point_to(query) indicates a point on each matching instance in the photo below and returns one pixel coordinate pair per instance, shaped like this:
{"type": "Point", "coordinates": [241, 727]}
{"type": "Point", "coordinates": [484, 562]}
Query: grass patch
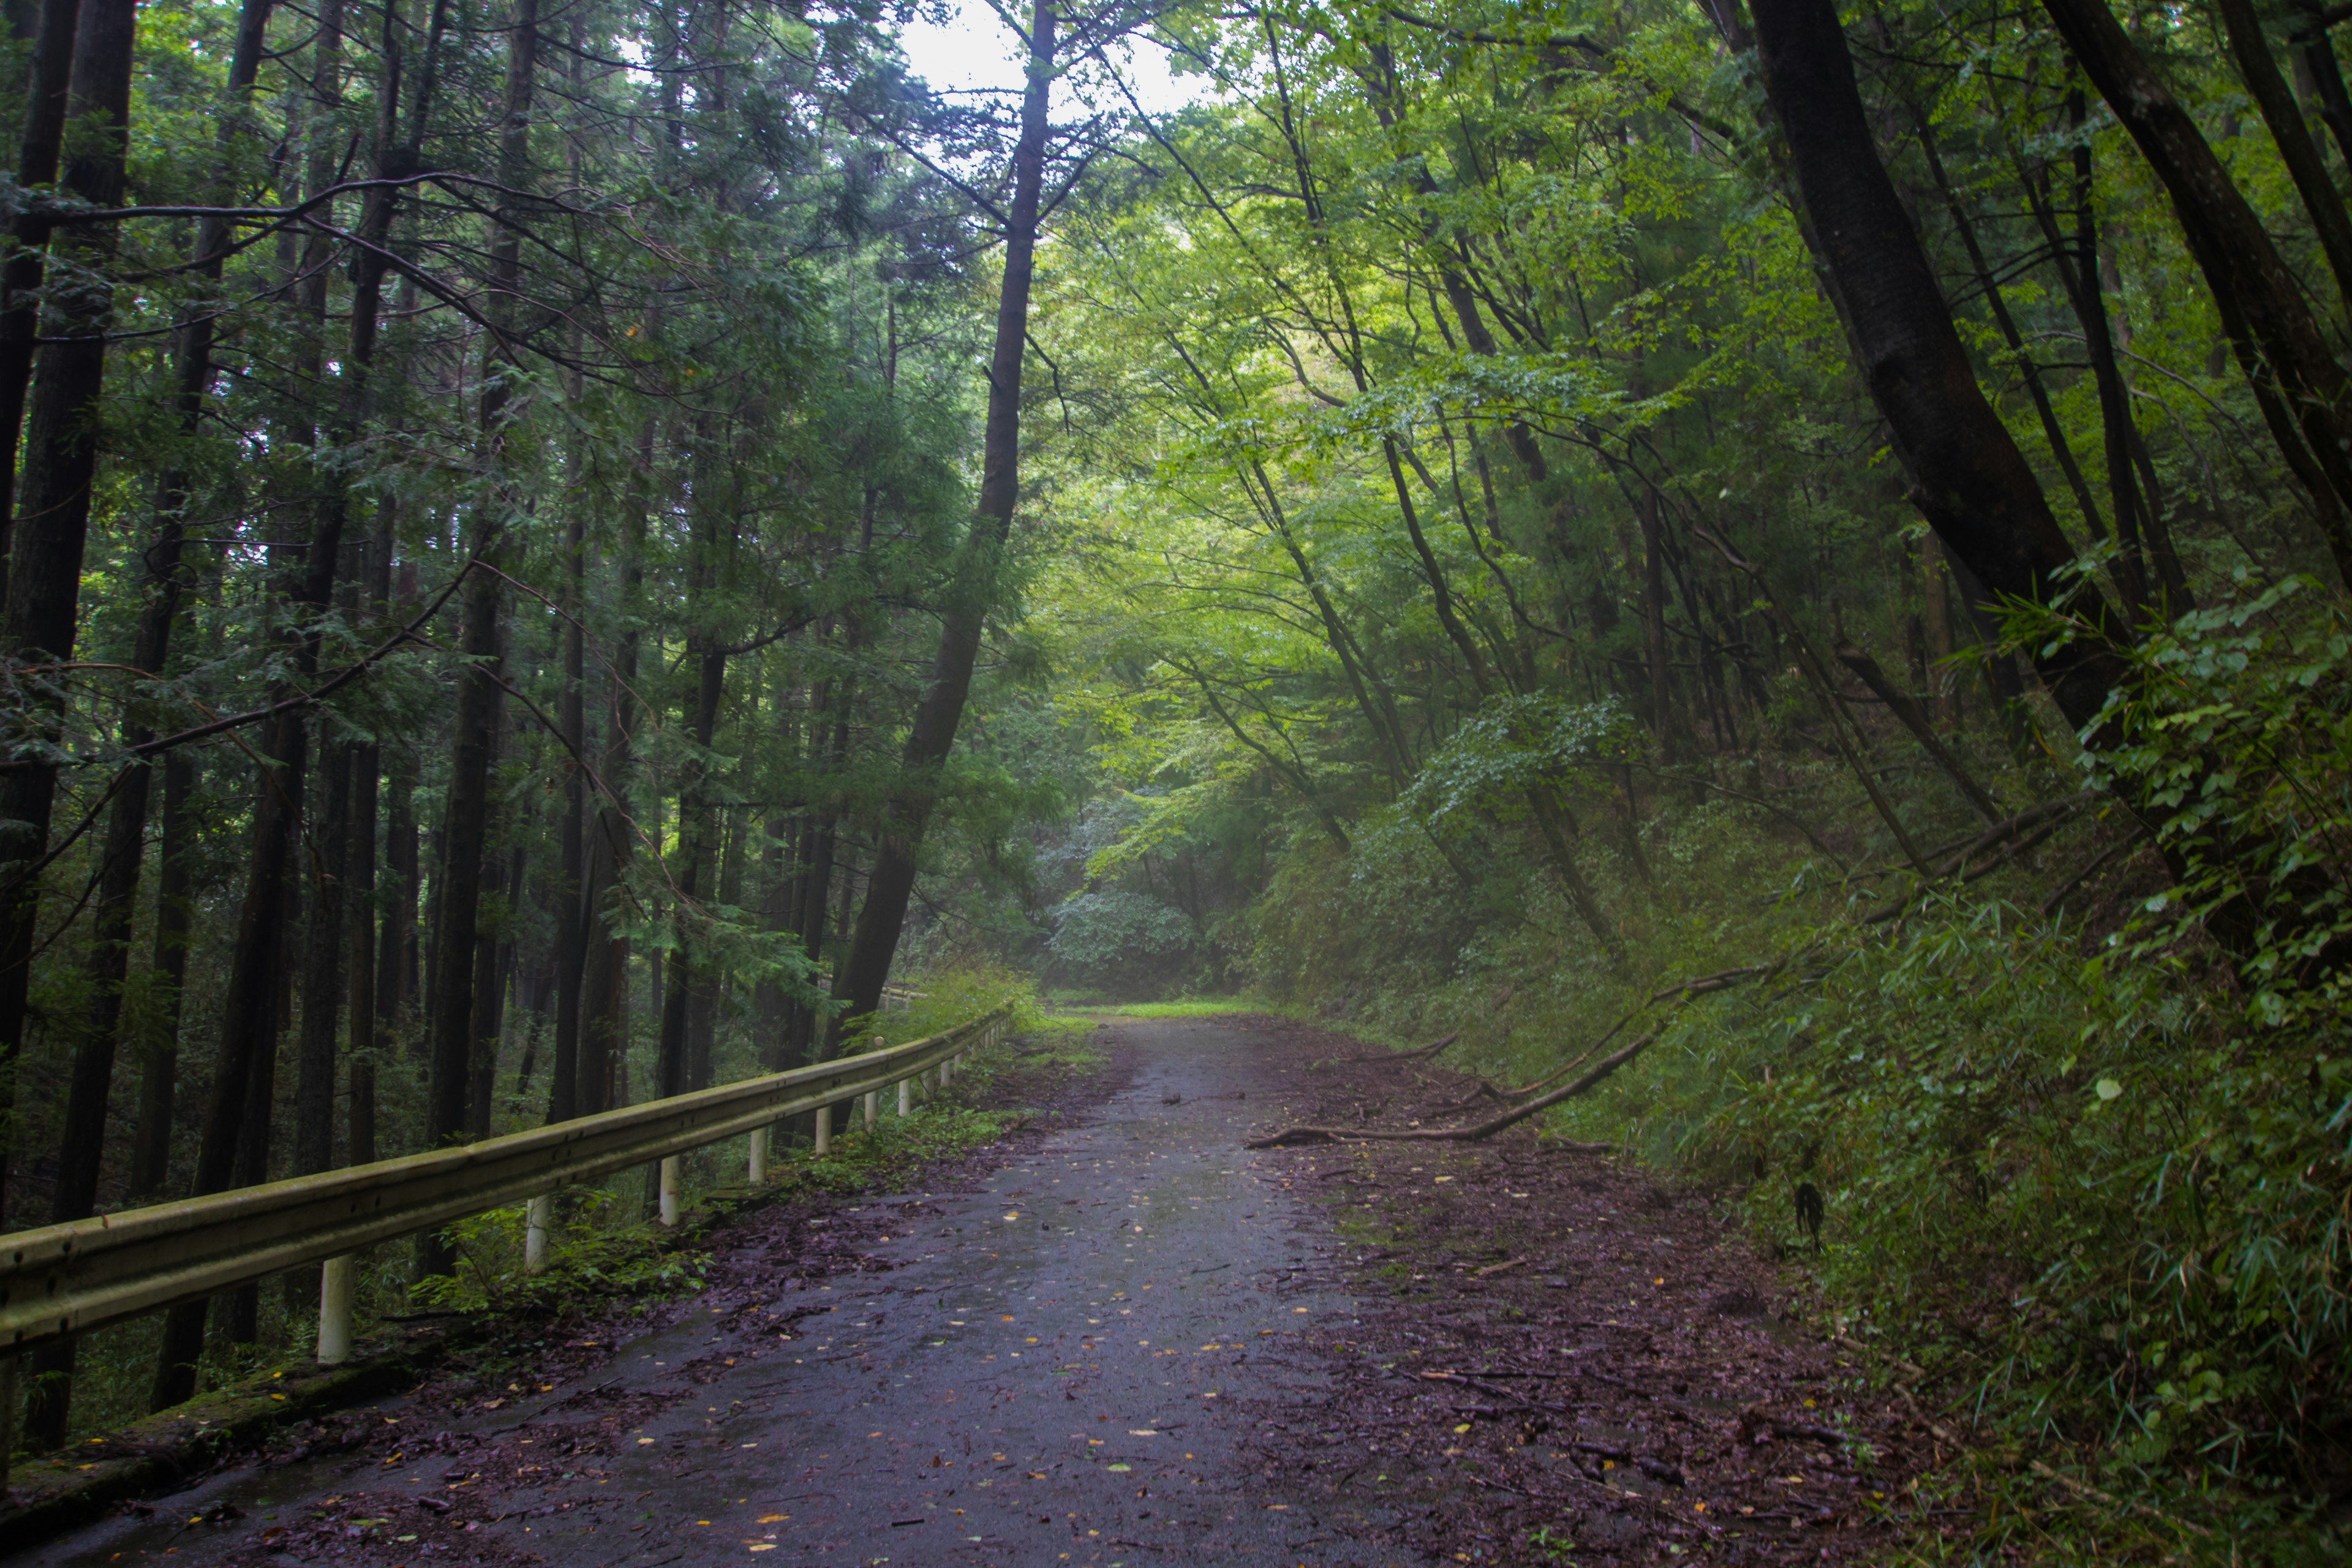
{"type": "Point", "coordinates": [1189, 1007]}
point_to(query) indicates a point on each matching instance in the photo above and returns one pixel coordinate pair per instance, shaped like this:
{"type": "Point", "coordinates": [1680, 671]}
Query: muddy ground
{"type": "Point", "coordinates": [1121, 1336]}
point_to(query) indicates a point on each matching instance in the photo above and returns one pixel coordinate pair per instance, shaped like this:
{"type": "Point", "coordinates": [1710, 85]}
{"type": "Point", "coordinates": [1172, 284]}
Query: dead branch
{"type": "Point", "coordinates": [1394, 1058]}
{"type": "Point", "coordinates": [1684, 995]}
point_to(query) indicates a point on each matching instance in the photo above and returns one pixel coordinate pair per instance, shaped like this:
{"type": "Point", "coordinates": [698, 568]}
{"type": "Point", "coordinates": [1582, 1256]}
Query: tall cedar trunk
{"type": "Point", "coordinates": [326, 866]}
{"type": "Point", "coordinates": [682, 974]}
{"type": "Point", "coordinates": [192, 374]}
{"type": "Point", "coordinates": [396, 953]}
{"type": "Point", "coordinates": [42, 143]}
{"type": "Point", "coordinates": [465, 830]}
{"type": "Point", "coordinates": [604, 960]}
{"type": "Point", "coordinates": [857, 985]}
{"type": "Point", "coordinates": [60, 462]}
{"type": "Point", "coordinates": [367, 773]}
{"type": "Point", "coordinates": [1968, 477]}
{"type": "Point", "coordinates": [571, 934]}
{"type": "Point", "coordinates": [491, 950]}
{"type": "Point", "coordinates": [151, 1138]}
{"type": "Point", "coordinates": [2279, 345]}
{"type": "Point", "coordinates": [359, 883]}
{"type": "Point", "coordinates": [770, 1010]}
{"type": "Point", "coordinates": [327, 855]}
{"type": "Point", "coordinates": [250, 1008]}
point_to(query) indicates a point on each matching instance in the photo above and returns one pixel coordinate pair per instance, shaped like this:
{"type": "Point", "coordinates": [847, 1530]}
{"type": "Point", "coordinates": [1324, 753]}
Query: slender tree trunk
{"type": "Point", "coordinates": [572, 933]}
{"type": "Point", "coordinates": [1989, 285]}
{"type": "Point", "coordinates": [604, 960]}
{"type": "Point", "coordinates": [327, 867]}
{"type": "Point", "coordinates": [858, 983]}
{"type": "Point", "coordinates": [459, 888]}
{"type": "Point", "coordinates": [682, 974]}
{"type": "Point", "coordinates": [396, 961]}
{"type": "Point", "coordinates": [192, 368]}
{"type": "Point", "coordinates": [361, 951]}
{"type": "Point", "coordinates": [2257, 68]}
{"type": "Point", "coordinates": [2114, 399]}
{"type": "Point", "coordinates": [151, 1139]}
{"type": "Point", "coordinates": [2279, 344]}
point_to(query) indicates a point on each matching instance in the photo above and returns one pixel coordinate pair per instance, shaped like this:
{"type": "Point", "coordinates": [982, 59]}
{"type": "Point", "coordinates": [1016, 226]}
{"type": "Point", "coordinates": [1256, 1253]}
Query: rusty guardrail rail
{"type": "Point", "coordinates": [66, 1279]}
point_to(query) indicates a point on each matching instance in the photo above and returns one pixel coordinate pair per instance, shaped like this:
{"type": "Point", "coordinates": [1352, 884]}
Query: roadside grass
{"type": "Point", "coordinates": [1189, 1007]}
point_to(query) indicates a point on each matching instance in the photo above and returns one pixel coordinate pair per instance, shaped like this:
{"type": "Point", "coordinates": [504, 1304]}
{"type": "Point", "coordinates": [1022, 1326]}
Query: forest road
{"type": "Point", "coordinates": [1062, 1365]}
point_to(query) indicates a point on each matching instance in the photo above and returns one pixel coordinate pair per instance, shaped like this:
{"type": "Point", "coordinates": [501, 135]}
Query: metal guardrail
{"type": "Point", "coordinates": [67, 1280]}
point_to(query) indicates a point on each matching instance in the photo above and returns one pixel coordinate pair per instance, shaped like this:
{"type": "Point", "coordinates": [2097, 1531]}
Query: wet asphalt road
{"type": "Point", "coordinates": [1065, 1366]}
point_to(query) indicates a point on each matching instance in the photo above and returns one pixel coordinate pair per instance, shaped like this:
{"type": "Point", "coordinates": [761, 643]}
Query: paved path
{"type": "Point", "coordinates": [1064, 1365]}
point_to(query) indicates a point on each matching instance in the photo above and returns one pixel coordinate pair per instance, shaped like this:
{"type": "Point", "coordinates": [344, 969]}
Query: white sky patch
{"type": "Point", "coordinates": [972, 52]}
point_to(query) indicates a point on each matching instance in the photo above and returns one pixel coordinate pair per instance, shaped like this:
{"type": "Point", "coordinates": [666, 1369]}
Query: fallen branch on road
{"type": "Point", "coordinates": [1683, 995]}
{"type": "Point", "coordinates": [1391, 1059]}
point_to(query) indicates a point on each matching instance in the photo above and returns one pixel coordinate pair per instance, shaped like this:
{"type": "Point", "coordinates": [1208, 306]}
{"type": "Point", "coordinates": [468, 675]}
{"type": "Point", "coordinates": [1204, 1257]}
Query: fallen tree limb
{"type": "Point", "coordinates": [1682, 995]}
{"type": "Point", "coordinates": [1705, 983]}
{"type": "Point", "coordinates": [1390, 1058]}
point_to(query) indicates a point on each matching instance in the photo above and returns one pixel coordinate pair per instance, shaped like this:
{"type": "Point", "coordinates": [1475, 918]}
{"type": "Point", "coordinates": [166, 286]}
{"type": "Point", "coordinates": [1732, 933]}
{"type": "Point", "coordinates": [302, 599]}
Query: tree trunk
{"type": "Point", "coordinates": [857, 984]}
{"type": "Point", "coordinates": [571, 933]}
{"type": "Point", "coordinates": [604, 960]}
{"type": "Point", "coordinates": [360, 954]}
{"type": "Point", "coordinates": [326, 865]}
{"type": "Point", "coordinates": [682, 974]}
{"type": "Point", "coordinates": [459, 889]}
{"type": "Point", "coordinates": [395, 959]}
{"type": "Point", "coordinates": [151, 1139]}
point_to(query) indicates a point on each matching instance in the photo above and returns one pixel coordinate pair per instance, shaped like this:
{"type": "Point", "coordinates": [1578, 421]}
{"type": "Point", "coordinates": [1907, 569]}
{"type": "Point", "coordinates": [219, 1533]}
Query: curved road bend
{"type": "Point", "coordinates": [1062, 1366]}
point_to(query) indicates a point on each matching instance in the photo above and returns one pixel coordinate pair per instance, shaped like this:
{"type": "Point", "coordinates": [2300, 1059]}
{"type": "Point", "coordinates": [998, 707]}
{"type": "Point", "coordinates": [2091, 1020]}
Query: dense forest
{"type": "Point", "coordinates": [1782, 573]}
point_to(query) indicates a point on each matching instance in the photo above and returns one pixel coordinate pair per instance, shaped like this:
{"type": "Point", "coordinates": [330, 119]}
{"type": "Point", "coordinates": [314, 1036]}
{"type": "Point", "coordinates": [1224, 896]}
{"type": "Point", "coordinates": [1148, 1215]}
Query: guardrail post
{"type": "Point", "coordinates": [537, 1217]}
{"type": "Point", "coordinates": [873, 1108]}
{"type": "Point", "coordinates": [756, 1162]}
{"type": "Point", "coordinates": [335, 1310]}
{"type": "Point", "coordinates": [906, 1097]}
{"type": "Point", "coordinates": [670, 1174]}
{"type": "Point", "coordinates": [824, 1129]}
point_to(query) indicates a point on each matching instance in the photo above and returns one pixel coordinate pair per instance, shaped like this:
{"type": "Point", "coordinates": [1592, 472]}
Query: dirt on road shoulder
{"type": "Point", "coordinates": [1562, 1359]}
